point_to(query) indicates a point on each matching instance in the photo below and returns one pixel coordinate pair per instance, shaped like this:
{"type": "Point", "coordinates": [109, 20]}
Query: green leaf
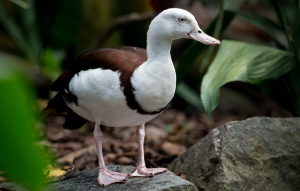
{"type": "Point", "coordinates": [24, 32]}
{"type": "Point", "coordinates": [278, 6]}
{"type": "Point", "coordinates": [189, 95]}
{"type": "Point", "coordinates": [13, 30]}
{"type": "Point", "coordinates": [270, 27]}
{"type": "Point", "coordinates": [233, 5]}
{"type": "Point", "coordinates": [20, 158]}
{"type": "Point", "coordinates": [238, 61]}
{"type": "Point", "coordinates": [20, 3]}
{"type": "Point", "coordinates": [29, 23]}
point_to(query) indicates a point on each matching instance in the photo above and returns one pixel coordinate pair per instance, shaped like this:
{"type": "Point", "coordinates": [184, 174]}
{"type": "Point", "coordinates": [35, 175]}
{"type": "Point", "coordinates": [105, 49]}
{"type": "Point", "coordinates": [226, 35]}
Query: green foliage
{"type": "Point", "coordinates": [186, 61]}
{"type": "Point", "coordinates": [189, 95]}
{"type": "Point", "coordinates": [253, 63]}
{"type": "Point", "coordinates": [59, 22]}
{"type": "Point", "coordinates": [25, 33]}
{"type": "Point", "coordinates": [20, 3]}
{"type": "Point", "coordinates": [243, 62]}
{"type": "Point", "coordinates": [20, 158]}
{"type": "Point", "coordinates": [31, 30]}
{"type": "Point", "coordinates": [52, 62]}
{"type": "Point", "coordinates": [247, 62]}
{"type": "Point", "coordinates": [195, 49]}
{"type": "Point", "coordinates": [269, 26]}
{"type": "Point", "coordinates": [45, 34]}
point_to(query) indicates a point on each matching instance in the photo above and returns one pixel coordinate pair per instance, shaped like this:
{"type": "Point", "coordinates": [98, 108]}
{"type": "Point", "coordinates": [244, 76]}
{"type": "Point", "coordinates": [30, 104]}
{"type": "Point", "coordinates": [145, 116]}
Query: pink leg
{"type": "Point", "coordinates": [105, 176]}
{"type": "Point", "coordinates": [140, 169]}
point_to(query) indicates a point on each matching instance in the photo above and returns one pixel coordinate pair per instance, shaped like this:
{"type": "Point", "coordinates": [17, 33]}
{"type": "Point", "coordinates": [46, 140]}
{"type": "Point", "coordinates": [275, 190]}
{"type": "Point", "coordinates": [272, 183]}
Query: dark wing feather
{"type": "Point", "coordinates": [61, 82]}
{"type": "Point", "coordinates": [125, 59]}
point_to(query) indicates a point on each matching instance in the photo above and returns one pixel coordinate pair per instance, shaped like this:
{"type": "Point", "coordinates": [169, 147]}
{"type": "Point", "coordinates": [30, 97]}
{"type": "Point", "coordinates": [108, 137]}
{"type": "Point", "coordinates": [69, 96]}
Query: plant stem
{"type": "Point", "coordinates": [216, 34]}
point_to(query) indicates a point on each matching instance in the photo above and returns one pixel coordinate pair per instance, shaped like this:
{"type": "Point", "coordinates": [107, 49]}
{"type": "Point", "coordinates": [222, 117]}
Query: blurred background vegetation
{"type": "Point", "coordinates": [40, 39]}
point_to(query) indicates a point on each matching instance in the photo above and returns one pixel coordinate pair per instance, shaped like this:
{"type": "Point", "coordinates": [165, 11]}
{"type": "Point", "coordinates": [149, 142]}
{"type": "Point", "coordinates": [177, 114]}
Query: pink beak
{"type": "Point", "coordinates": [200, 36]}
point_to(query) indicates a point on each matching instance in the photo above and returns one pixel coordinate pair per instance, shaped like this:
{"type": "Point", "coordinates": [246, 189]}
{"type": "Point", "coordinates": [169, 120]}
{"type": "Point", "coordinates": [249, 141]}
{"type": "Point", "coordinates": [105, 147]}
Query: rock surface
{"type": "Point", "coordinates": [254, 155]}
{"type": "Point", "coordinates": [87, 180]}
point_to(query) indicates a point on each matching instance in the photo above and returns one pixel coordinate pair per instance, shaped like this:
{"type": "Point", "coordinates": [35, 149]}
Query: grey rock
{"type": "Point", "coordinates": [256, 154]}
{"type": "Point", "coordinates": [87, 180]}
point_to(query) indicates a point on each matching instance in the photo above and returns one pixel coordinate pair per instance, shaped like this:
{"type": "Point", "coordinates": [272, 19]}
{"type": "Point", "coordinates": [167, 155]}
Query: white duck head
{"type": "Point", "coordinates": [175, 23]}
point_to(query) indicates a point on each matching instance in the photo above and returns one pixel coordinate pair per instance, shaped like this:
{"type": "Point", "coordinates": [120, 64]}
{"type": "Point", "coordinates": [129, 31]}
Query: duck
{"type": "Point", "coordinates": [125, 86]}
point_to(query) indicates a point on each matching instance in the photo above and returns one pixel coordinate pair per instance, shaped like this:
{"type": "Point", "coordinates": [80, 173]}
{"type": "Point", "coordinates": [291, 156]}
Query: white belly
{"type": "Point", "coordinates": [101, 100]}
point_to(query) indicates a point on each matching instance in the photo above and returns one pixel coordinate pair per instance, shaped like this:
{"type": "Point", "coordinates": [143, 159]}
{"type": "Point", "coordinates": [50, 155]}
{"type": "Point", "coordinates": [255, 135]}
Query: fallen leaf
{"type": "Point", "coordinates": [71, 170]}
{"type": "Point", "coordinates": [55, 172]}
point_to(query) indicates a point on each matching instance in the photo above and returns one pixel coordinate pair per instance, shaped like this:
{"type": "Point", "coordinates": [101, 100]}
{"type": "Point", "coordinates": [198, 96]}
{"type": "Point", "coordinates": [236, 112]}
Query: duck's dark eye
{"type": "Point", "coordinates": [181, 20]}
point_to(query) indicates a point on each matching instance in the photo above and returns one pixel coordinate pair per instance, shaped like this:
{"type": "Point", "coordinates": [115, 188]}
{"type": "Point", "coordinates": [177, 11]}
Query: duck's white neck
{"type": "Point", "coordinates": [155, 81]}
{"type": "Point", "coordinates": [158, 47]}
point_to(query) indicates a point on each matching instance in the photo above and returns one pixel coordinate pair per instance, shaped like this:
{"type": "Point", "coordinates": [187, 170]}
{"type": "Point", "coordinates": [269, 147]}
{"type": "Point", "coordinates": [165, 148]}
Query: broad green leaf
{"type": "Point", "coordinates": [238, 61]}
{"type": "Point", "coordinates": [270, 27]}
{"type": "Point", "coordinates": [20, 159]}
